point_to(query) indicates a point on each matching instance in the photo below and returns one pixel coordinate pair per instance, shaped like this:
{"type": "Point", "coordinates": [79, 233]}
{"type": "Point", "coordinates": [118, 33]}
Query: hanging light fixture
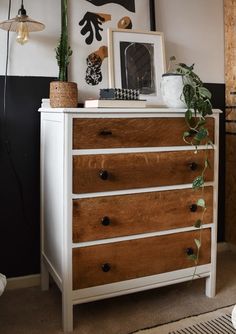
{"type": "Point", "coordinates": [22, 24]}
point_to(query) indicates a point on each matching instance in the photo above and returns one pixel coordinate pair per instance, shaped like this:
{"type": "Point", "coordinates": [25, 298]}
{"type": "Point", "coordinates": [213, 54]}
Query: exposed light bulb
{"type": "Point", "coordinates": [22, 33]}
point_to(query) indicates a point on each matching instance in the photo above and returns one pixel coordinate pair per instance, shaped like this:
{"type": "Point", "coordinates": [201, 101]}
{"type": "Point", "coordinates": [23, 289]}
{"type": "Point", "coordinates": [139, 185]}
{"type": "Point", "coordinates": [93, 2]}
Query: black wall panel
{"type": "Point", "coordinates": [19, 174]}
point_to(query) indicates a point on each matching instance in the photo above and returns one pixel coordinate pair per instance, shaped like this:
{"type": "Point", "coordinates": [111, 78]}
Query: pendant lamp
{"type": "Point", "coordinates": [22, 24]}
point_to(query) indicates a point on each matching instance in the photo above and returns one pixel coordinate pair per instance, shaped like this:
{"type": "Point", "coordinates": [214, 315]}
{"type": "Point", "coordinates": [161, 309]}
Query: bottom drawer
{"type": "Point", "coordinates": [120, 261]}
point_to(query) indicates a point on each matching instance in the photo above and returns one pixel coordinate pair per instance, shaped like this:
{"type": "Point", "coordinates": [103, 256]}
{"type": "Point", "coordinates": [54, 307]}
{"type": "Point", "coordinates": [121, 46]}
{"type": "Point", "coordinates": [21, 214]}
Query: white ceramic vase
{"type": "Point", "coordinates": [171, 90]}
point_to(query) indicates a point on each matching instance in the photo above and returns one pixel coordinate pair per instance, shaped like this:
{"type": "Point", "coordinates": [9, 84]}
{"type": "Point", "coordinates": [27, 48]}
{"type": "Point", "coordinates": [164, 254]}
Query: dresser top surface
{"type": "Point", "coordinates": [90, 111]}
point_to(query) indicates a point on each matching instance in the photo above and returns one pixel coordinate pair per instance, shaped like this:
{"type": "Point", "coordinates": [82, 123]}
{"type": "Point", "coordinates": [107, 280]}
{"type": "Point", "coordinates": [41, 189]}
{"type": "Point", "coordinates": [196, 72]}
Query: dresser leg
{"type": "Point", "coordinates": [44, 276]}
{"type": "Point", "coordinates": [67, 315]}
{"type": "Point", "coordinates": [210, 286]}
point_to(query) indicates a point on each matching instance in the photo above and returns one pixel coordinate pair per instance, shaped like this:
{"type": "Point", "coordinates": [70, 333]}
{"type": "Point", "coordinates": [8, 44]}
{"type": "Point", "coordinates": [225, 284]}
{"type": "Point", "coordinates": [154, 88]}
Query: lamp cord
{"type": "Point", "coordinates": [6, 69]}
{"type": "Point", "coordinates": [6, 141]}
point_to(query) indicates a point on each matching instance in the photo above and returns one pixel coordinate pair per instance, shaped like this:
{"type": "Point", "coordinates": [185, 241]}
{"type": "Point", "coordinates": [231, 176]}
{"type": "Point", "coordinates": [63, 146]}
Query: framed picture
{"type": "Point", "coordinates": [136, 59]}
{"type": "Point", "coordinates": [89, 21]}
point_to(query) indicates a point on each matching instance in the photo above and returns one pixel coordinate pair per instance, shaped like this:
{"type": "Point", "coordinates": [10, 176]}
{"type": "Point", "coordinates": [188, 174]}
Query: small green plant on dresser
{"type": "Point", "coordinates": [198, 106]}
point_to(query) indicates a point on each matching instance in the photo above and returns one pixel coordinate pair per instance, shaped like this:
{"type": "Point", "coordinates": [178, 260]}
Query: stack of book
{"type": "Point", "coordinates": [117, 98]}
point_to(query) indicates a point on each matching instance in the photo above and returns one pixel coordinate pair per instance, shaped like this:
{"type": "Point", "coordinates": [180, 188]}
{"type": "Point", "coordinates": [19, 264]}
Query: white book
{"type": "Point", "coordinates": [115, 104]}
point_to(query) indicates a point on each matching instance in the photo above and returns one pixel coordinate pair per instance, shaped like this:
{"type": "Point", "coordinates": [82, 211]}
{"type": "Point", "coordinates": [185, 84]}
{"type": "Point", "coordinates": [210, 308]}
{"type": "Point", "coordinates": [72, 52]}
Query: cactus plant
{"type": "Point", "coordinates": [63, 50]}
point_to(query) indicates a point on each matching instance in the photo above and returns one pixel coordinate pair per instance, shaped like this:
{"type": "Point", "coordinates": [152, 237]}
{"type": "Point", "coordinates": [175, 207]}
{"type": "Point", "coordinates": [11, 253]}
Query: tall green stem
{"type": "Point", "coordinates": [63, 51]}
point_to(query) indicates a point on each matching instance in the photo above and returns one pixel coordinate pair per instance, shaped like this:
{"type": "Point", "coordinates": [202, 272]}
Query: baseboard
{"type": "Point", "coordinates": [23, 282]}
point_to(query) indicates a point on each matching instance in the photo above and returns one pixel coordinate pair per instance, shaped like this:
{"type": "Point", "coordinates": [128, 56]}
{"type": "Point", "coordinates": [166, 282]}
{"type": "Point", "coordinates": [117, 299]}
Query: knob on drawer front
{"type": "Point", "coordinates": [105, 221]}
{"type": "Point", "coordinates": [103, 174]}
{"type": "Point", "coordinates": [106, 267]}
{"type": "Point", "coordinates": [193, 166]}
{"type": "Point", "coordinates": [193, 207]}
{"type": "Point", "coordinates": [105, 133]}
{"type": "Point", "coordinates": [189, 251]}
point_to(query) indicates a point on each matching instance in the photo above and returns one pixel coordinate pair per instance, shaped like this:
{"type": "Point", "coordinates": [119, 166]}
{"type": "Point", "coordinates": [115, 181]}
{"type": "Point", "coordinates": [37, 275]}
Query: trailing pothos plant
{"type": "Point", "coordinates": [197, 100]}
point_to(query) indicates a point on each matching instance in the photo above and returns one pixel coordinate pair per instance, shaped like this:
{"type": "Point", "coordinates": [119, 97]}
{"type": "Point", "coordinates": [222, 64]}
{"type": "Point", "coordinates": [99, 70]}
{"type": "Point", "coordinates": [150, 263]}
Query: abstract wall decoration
{"type": "Point", "coordinates": [94, 63]}
{"type": "Point", "coordinates": [92, 25]}
{"type": "Point", "coordinates": [90, 20]}
{"type": "Point", "coordinates": [128, 4]}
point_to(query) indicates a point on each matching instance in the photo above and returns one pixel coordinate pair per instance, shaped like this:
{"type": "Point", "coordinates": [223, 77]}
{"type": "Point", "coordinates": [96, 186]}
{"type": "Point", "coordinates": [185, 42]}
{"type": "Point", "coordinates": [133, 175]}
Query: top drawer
{"type": "Point", "coordinates": [130, 132]}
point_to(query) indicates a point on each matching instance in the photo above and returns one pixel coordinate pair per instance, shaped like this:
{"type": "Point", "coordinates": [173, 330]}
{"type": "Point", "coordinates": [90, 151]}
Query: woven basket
{"type": "Point", "coordinates": [63, 94]}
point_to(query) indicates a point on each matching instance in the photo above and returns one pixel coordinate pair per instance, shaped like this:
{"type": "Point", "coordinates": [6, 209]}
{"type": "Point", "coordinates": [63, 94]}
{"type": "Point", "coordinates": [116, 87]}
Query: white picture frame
{"type": "Point", "coordinates": [136, 59]}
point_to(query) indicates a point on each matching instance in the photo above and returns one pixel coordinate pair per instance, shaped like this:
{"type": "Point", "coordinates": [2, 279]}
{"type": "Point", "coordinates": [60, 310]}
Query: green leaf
{"type": "Point", "coordinates": [202, 134]}
{"type": "Point", "coordinates": [201, 202]}
{"type": "Point", "coordinates": [186, 134]}
{"type": "Point", "coordinates": [198, 243]}
{"type": "Point", "coordinates": [188, 116]}
{"type": "Point", "coordinates": [198, 182]}
{"type": "Point", "coordinates": [204, 92]}
{"type": "Point", "coordinates": [198, 223]}
{"type": "Point", "coordinates": [192, 257]}
{"type": "Point", "coordinates": [188, 92]}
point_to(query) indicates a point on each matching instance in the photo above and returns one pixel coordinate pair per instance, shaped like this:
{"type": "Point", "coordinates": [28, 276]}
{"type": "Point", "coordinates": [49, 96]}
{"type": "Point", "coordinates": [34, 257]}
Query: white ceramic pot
{"type": "Point", "coordinates": [171, 90]}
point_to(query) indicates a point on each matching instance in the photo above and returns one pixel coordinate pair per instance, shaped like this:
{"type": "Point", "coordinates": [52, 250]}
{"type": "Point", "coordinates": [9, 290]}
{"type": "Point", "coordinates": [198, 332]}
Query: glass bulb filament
{"type": "Point", "coordinates": [22, 33]}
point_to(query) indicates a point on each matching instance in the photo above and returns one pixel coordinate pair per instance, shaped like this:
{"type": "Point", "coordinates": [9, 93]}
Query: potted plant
{"type": "Point", "coordinates": [189, 91]}
{"type": "Point", "coordinates": [172, 87]}
{"type": "Point", "coordinates": [63, 93]}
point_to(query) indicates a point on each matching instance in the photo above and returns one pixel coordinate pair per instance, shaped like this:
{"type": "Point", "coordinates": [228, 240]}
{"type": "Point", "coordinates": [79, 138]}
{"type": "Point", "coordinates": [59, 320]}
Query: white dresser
{"type": "Point", "coordinates": [117, 205]}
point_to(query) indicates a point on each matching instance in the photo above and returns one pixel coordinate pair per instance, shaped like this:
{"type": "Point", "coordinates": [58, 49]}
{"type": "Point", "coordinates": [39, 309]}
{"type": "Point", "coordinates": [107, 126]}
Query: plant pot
{"type": "Point", "coordinates": [63, 94]}
{"type": "Point", "coordinates": [171, 90]}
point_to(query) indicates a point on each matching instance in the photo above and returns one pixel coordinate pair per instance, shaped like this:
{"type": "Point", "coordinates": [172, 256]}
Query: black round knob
{"type": "Point", "coordinates": [105, 221]}
{"type": "Point", "coordinates": [105, 133]}
{"type": "Point", "coordinates": [193, 207]}
{"type": "Point", "coordinates": [193, 166]}
{"type": "Point", "coordinates": [106, 267]}
{"type": "Point", "coordinates": [103, 174]}
{"type": "Point", "coordinates": [189, 251]}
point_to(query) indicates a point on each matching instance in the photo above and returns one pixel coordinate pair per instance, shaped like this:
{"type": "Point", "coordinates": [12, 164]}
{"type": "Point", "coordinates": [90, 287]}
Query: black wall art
{"type": "Point", "coordinates": [128, 4]}
{"type": "Point", "coordinates": [92, 26]}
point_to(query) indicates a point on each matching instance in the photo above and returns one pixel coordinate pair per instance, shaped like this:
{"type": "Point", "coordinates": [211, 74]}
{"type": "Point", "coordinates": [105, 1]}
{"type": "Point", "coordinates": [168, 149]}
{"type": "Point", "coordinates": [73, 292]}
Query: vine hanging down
{"type": "Point", "coordinates": [197, 100]}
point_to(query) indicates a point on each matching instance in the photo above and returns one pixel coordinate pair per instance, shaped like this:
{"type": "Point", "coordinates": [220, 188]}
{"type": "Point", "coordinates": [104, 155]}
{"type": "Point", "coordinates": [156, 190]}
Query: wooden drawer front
{"type": "Point", "coordinates": [113, 216]}
{"type": "Point", "coordinates": [95, 173]}
{"type": "Point", "coordinates": [136, 258]}
{"type": "Point", "coordinates": [134, 132]}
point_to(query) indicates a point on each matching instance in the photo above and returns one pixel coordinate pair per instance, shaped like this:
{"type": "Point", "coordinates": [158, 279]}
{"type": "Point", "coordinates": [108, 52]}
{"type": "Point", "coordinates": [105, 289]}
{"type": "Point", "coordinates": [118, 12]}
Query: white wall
{"type": "Point", "coordinates": [194, 33]}
{"type": "Point", "coordinates": [37, 57]}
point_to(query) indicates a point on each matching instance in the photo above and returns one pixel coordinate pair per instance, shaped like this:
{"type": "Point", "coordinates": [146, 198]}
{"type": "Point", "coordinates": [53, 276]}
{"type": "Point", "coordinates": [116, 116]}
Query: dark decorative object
{"type": "Point", "coordinates": [92, 23]}
{"type": "Point", "coordinates": [128, 4]}
{"type": "Point", "coordinates": [152, 15]}
{"type": "Point", "coordinates": [119, 94]}
{"type": "Point", "coordinates": [137, 66]}
{"type": "Point", "coordinates": [94, 63]}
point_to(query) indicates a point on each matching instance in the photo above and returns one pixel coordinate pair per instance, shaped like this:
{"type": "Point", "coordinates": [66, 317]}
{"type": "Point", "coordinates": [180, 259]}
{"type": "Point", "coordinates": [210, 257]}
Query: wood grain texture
{"type": "Point", "coordinates": [137, 170]}
{"type": "Point", "coordinates": [136, 258]}
{"type": "Point", "coordinates": [230, 50]}
{"type": "Point", "coordinates": [139, 132]}
{"type": "Point", "coordinates": [138, 213]}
